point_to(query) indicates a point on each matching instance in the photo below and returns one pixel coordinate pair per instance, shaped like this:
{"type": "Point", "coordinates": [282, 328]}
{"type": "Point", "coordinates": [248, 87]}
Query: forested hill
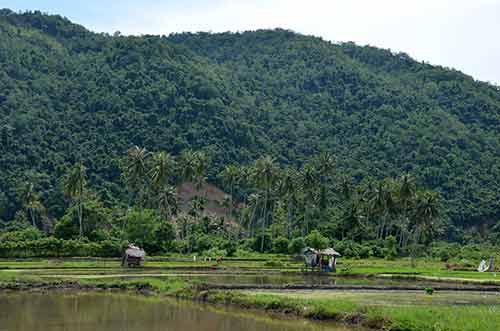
{"type": "Point", "coordinates": [67, 94]}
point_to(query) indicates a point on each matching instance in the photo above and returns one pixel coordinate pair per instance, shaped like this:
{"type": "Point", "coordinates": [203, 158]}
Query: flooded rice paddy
{"type": "Point", "coordinates": [57, 311]}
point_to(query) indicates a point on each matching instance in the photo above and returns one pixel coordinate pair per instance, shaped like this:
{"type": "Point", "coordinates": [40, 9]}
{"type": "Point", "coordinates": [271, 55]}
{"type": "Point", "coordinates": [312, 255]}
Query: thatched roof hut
{"type": "Point", "coordinates": [328, 252]}
{"type": "Point", "coordinates": [323, 259]}
{"type": "Point", "coordinates": [133, 256]}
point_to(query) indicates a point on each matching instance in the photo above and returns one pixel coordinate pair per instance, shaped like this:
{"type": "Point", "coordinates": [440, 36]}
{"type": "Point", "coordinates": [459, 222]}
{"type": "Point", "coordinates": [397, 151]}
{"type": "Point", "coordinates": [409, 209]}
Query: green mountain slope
{"type": "Point", "coordinates": [68, 94]}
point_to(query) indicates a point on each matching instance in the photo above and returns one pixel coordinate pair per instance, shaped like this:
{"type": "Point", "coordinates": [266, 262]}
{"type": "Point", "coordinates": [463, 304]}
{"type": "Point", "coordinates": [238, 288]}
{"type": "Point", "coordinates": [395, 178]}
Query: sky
{"type": "Point", "coordinates": [460, 34]}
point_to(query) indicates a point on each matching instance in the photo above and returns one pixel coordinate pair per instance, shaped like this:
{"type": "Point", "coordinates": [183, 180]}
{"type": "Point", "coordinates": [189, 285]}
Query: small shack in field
{"type": "Point", "coordinates": [133, 256]}
{"type": "Point", "coordinates": [323, 260]}
{"type": "Point", "coordinates": [328, 259]}
{"type": "Point", "coordinates": [487, 267]}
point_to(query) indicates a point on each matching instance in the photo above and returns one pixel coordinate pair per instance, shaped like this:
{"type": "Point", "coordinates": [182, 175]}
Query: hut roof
{"type": "Point", "coordinates": [309, 250]}
{"type": "Point", "coordinates": [135, 251]}
{"type": "Point", "coordinates": [329, 252]}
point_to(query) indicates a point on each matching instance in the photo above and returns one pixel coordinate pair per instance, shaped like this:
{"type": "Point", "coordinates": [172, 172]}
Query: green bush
{"type": "Point", "coordinates": [54, 247]}
{"type": "Point", "coordinates": [230, 246]}
{"type": "Point", "coordinates": [203, 243]}
{"type": "Point", "coordinates": [280, 245]}
{"type": "Point", "coordinates": [148, 230]}
{"type": "Point", "coordinates": [29, 233]}
{"type": "Point", "coordinates": [365, 252]}
{"type": "Point", "coordinates": [215, 252]}
{"type": "Point", "coordinates": [296, 245]}
{"type": "Point", "coordinates": [347, 248]}
{"type": "Point", "coordinates": [180, 246]}
{"type": "Point", "coordinates": [316, 240]}
{"type": "Point", "coordinates": [391, 248]}
{"type": "Point", "coordinates": [257, 244]}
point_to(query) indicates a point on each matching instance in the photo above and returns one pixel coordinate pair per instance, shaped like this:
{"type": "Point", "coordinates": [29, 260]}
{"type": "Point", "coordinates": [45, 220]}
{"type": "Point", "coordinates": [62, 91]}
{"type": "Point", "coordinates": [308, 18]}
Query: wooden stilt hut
{"type": "Point", "coordinates": [133, 256]}
{"type": "Point", "coordinates": [324, 260]}
{"type": "Point", "coordinates": [328, 259]}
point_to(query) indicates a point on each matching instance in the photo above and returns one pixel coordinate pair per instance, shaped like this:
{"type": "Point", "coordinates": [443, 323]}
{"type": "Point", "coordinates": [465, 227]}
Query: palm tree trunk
{"type": "Point", "coordinates": [252, 218]}
{"type": "Point", "coordinates": [252, 223]}
{"type": "Point", "coordinates": [32, 216]}
{"type": "Point", "coordinates": [264, 223]}
{"type": "Point", "coordinates": [80, 216]}
{"type": "Point", "coordinates": [289, 219]}
{"type": "Point", "coordinates": [231, 203]}
{"type": "Point", "coordinates": [306, 221]}
{"type": "Point", "coordinates": [414, 249]}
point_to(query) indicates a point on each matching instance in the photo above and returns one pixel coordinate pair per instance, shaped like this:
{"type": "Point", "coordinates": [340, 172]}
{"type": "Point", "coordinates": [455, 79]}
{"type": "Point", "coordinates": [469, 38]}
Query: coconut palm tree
{"type": "Point", "coordinates": [407, 187]}
{"type": "Point", "coordinates": [193, 166]}
{"type": "Point", "coordinates": [265, 175]}
{"type": "Point", "coordinates": [253, 202]}
{"type": "Point", "coordinates": [75, 189]}
{"type": "Point", "coordinates": [351, 221]}
{"type": "Point", "coordinates": [161, 170]}
{"type": "Point", "coordinates": [187, 165]}
{"type": "Point", "coordinates": [31, 202]}
{"type": "Point", "coordinates": [136, 171]}
{"type": "Point", "coordinates": [168, 201]}
{"type": "Point", "coordinates": [309, 183]}
{"type": "Point", "coordinates": [201, 165]}
{"type": "Point", "coordinates": [192, 169]}
{"type": "Point", "coordinates": [288, 188]}
{"type": "Point", "coordinates": [230, 176]}
{"type": "Point", "coordinates": [325, 165]}
{"type": "Point", "coordinates": [380, 197]}
{"type": "Point", "coordinates": [346, 188]}
{"type": "Point", "coordinates": [406, 193]}
{"type": "Point", "coordinates": [424, 217]}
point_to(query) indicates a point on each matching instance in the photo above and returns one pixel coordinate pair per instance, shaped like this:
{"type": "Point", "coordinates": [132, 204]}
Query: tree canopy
{"type": "Point", "coordinates": [70, 95]}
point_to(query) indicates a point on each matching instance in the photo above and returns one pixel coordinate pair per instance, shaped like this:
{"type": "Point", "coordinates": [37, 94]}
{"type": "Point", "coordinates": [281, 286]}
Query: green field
{"type": "Point", "coordinates": [389, 310]}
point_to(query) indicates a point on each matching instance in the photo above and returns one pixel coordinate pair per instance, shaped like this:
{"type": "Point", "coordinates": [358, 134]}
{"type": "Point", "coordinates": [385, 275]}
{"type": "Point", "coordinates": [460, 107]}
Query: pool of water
{"type": "Point", "coordinates": [226, 278]}
{"type": "Point", "coordinates": [58, 311]}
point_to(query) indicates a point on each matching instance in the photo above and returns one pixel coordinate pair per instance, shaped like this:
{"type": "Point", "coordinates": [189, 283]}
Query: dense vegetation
{"type": "Point", "coordinates": [282, 213]}
{"type": "Point", "coordinates": [72, 102]}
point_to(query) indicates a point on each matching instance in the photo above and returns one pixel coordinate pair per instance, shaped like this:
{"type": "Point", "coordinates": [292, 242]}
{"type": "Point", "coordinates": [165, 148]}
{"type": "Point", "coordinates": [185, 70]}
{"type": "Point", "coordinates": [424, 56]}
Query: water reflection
{"type": "Point", "coordinates": [113, 312]}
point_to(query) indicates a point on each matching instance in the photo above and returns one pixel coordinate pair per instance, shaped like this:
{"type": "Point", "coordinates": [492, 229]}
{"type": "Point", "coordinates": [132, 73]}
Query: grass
{"type": "Point", "coordinates": [442, 318]}
{"type": "Point", "coordinates": [395, 312]}
{"type": "Point", "coordinates": [423, 316]}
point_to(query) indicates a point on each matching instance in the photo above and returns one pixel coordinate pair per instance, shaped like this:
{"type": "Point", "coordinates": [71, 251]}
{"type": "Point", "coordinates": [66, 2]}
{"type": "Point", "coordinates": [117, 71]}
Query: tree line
{"type": "Point", "coordinates": [68, 95]}
{"type": "Point", "coordinates": [266, 205]}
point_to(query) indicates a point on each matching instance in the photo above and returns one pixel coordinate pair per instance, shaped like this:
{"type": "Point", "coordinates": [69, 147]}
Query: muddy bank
{"type": "Point", "coordinates": [142, 288]}
{"type": "Point", "coordinates": [478, 288]}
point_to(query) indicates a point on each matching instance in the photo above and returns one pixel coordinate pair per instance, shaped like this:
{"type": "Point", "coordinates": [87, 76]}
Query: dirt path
{"type": "Point", "coordinates": [462, 288]}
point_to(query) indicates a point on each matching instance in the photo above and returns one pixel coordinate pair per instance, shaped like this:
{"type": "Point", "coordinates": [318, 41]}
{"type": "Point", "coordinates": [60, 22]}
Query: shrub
{"type": "Point", "coordinates": [29, 233]}
{"type": "Point", "coordinates": [148, 230]}
{"type": "Point", "coordinates": [365, 252]}
{"type": "Point", "coordinates": [203, 243]}
{"type": "Point", "coordinates": [348, 248]}
{"type": "Point", "coordinates": [229, 246]}
{"type": "Point", "coordinates": [215, 252]}
{"type": "Point", "coordinates": [54, 247]}
{"type": "Point", "coordinates": [296, 245]}
{"type": "Point", "coordinates": [180, 246]}
{"type": "Point", "coordinates": [316, 240]}
{"type": "Point", "coordinates": [257, 244]}
{"type": "Point", "coordinates": [391, 249]}
{"type": "Point", "coordinates": [280, 245]}
{"type": "Point", "coordinates": [444, 251]}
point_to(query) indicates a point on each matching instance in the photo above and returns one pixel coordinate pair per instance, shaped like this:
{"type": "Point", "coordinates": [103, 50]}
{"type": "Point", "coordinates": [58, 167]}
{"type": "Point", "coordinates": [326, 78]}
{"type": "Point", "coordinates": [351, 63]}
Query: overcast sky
{"type": "Point", "coordinates": [462, 34]}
